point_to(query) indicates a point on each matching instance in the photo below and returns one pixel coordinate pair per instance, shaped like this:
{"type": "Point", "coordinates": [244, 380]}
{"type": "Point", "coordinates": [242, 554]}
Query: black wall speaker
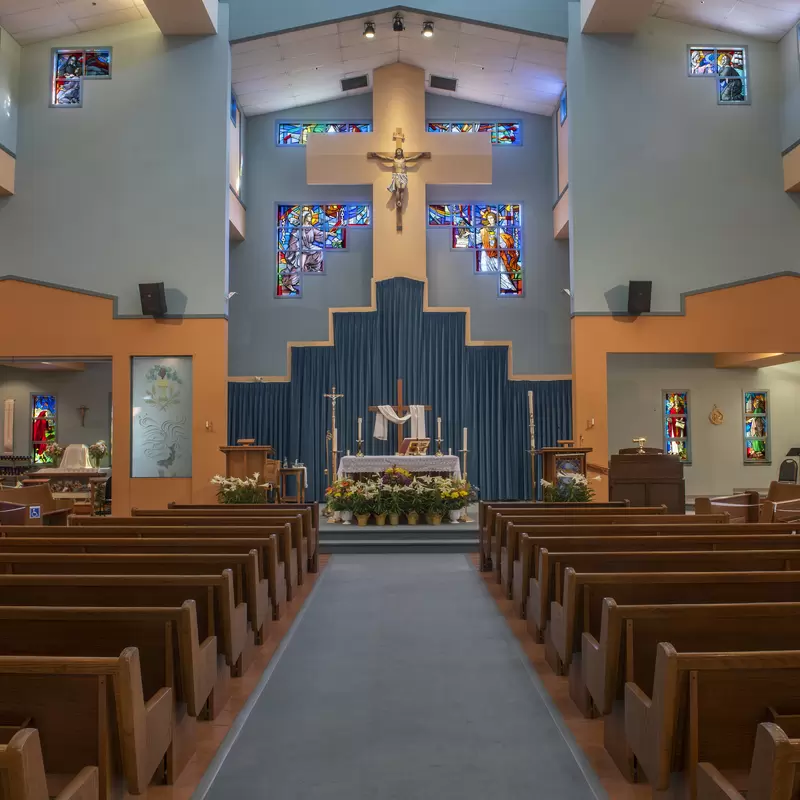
{"type": "Point", "coordinates": [639, 296]}
{"type": "Point", "coordinates": [154, 300]}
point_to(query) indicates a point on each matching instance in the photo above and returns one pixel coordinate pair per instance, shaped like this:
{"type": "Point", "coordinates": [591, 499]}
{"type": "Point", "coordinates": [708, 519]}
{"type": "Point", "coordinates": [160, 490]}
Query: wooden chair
{"type": "Point", "coordinates": [773, 772]}
{"type": "Point", "coordinates": [53, 511]}
{"type": "Point", "coordinates": [23, 777]}
{"type": "Point", "coordinates": [91, 711]}
{"type": "Point", "coordinates": [705, 707]}
{"type": "Point", "coordinates": [171, 655]}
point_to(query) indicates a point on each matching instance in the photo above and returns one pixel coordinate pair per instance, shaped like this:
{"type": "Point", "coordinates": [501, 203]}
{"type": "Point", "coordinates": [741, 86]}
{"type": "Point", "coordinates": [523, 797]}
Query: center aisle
{"type": "Point", "coordinates": [401, 681]}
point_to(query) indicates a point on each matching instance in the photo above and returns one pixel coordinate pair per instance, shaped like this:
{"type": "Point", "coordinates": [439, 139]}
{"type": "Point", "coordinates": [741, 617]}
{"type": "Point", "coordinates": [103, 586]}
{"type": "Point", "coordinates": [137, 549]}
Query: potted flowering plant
{"type": "Point", "coordinates": [338, 497]}
{"type": "Point", "coordinates": [396, 486]}
{"type": "Point", "coordinates": [568, 488]}
{"type": "Point", "coordinates": [240, 490]}
{"type": "Point", "coordinates": [97, 452]}
{"type": "Point", "coordinates": [54, 451]}
{"type": "Point", "coordinates": [456, 495]}
{"type": "Point", "coordinates": [431, 500]}
{"type": "Point", "coordinates": [363, 501]}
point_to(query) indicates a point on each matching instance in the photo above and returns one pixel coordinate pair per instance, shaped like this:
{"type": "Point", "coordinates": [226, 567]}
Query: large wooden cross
{"type": "Point", "coordinates": [398, 103]}
{"type": "Point", "coordinates": [399, 409]}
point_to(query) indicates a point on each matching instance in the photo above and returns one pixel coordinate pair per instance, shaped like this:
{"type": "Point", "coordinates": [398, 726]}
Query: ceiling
{"type": "Point", "coordinates": [37, 20]}
{"type": "Point", "coordinates": [493, 66]}
{"type": "Point", "coordinates": [763, 19]}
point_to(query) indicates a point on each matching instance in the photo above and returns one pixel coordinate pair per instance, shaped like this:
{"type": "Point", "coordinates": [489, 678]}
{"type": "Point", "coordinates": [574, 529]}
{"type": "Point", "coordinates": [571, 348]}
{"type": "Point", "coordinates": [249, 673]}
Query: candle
{"type": "Point", "coordinates": [438, 427]}
{"type": "Point", "coordinates": [359, 428]}
{"type": "Point", "coordinates": [465, 440]}
{"type": "Point", "coordinates": [348, 452]}
{"type": "Point", "coordinates": [530, 403]}
{"type": "Point", "coordinates": [449, 451]}
{"type": "Point", "coordinates": [334, 441]}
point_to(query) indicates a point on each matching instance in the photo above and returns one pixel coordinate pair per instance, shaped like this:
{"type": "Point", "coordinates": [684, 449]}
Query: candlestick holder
{"type": "Point", "coordinates": [359, 450]}
{"type": "Point", "coordinates": [439, 447]}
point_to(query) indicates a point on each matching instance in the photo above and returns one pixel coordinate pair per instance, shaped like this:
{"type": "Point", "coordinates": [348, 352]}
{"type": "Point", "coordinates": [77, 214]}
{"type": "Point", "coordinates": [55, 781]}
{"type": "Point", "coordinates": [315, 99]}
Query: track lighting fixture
{"type": "Point", "coordinates": [427, 29]}
{"type": "Point", "coordinates": [369, 30]}
{"type": "Point", "coordinates": [398, 26]}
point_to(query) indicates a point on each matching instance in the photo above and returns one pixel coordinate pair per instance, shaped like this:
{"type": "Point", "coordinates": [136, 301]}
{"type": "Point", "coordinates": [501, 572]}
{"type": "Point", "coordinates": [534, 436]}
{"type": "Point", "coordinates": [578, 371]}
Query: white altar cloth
{"type": "Point", "coordinates": [351, 465]}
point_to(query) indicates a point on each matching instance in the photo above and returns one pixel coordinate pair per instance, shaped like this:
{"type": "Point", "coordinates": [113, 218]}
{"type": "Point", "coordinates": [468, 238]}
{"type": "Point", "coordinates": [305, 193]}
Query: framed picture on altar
{"type": "Point", "coordinates": [415, 447]}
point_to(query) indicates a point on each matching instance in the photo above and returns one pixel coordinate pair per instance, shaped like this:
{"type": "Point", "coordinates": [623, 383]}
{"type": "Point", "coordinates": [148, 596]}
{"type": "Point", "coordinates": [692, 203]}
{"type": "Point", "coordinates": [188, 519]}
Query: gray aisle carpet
{"type": "Point", "coordinates": [400, 682]}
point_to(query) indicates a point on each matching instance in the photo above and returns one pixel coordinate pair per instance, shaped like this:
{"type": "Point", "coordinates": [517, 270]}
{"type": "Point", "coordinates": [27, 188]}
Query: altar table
{"type": "Point", "coordinates": [446, 465]}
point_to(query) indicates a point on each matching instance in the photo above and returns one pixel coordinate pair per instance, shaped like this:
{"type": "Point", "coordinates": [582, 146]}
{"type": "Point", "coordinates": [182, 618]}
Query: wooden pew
{"type": "Point", "coordinates": [171, 655]}
{"type": "Point", "coordinates": [289, 531]}
{"type": "Point", "coordinates": [23, 777]}
{"type": "Point", "coordinates": [13, 514]}
{"type": "Point", "coordinates": [626, 650]}
{"type": "Point", "coordinates": [248, 509]}
{"type": "Point", "coordinates": [487, 511]}
{"type": "Point", "coordinates": [217, 612]}
{"type": "Point", "coordinates": [53, 511]}
{"type": "Point", "coordinates": [704, 707]}
{"type": "Point", "coordinates": [248, 583]}
{"type": "Point", "coordinates": [264, 546]}
{"type": "Point", "coordinates": [510, 528]}
{"type": "Point", "coordinates": [500, 520]}
{"type": "Point", "coordinates": [91, 711]}
{"type": "Point", "coordinates": [741, 507]}
{"type": "Point", "coordinates": [773, 771]}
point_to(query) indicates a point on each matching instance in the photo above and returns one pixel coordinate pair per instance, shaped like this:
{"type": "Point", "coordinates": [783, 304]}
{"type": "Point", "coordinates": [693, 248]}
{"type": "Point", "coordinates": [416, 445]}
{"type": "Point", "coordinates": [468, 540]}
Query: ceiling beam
{"type": "Point", "coordinates": [185, 17]}
{"type": "Point", "coordinates": [753, 360]}
{"type": "Point", "coordinates": [614, 16]}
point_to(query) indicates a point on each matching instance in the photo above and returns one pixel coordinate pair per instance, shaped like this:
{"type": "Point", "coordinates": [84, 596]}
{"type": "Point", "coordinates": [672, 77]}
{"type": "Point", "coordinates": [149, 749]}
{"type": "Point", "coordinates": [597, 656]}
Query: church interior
{"type": "Point", "coordinates": [516, 514]}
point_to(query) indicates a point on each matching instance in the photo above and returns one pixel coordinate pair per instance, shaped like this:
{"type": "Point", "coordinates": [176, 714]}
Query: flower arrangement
{"type": "Point", "coordinates": [97, 452]}
{"type": "Point", "coordinates": [54, 451]}
{"type": "Point", "coordinates": [338, 497]}
{"type": "Point", "coordinates": [240, 490]}
{"type": "Point", "coordinates": [568, 488]}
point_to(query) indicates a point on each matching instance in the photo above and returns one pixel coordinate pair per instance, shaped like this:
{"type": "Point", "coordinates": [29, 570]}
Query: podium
{"type": "Point", "coordinates": [648, 479]}
{"type": "Point", "coordinates": [564, 459]}
{"type": "Point", "coordinates": [243, 461]}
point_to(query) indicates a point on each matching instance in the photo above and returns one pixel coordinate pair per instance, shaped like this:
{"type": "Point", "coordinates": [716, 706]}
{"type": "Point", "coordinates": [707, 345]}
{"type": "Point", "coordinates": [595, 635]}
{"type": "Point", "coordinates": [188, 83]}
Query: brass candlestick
{"type": "Point", "coordinates": [359, 450]}
{"type": "Point", "coordinates": [439, 447]}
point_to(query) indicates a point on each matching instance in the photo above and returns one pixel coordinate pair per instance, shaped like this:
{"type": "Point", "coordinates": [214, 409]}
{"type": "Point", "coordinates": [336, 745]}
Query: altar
{"type": "Point", "coordinates": [74, 476]}
{"type": "Point", "coordinates": [429, 465]}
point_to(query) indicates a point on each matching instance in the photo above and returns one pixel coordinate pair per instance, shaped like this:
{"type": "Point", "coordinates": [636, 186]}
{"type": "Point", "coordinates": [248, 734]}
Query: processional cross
{"type": "Point", "coordinates": [399, 409]}
{"type": "Point", "coordinates": [399, 162]}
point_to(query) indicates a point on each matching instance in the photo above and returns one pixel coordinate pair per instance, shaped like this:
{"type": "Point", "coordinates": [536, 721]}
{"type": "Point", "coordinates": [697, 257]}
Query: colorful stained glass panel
{"type": "Point", "coordinates": [98, 63]}
{"type": "Point", "coordinates": [501, 132]}
{"type": "Point", "coordinates": [728, 65]}
{"type": "Point", "coordinates": [358, 215]}
{"type": "Point", "coordinates": [70, 68]}
{"type": "Point", "coordinates": [756, 450]}
{"type": "Point", "coordinates": [702, 61]}
{"type": "Point", "coordinates": [676, 424]}
{"type": "Point", "coordinates": [69, 64]}
{"type": "Point", "coordinates": [295, 134]}
{"type": "Point", "coordinates": [507, 132]}
{"type": "Point", "coordinates": [562, 108]}
{"type": "Point", "coordinates": [756, 427]}
{"type": "Point", "coordinates": [68, 92]}
{"type": "Point", "coordinates": [43, 426]}
{"type": "Point", "coordinates": [439, 215]}
{"type": "Point", "coordinates": [755, 403]}
{"type": "Point", "coordinates": [463, 236]}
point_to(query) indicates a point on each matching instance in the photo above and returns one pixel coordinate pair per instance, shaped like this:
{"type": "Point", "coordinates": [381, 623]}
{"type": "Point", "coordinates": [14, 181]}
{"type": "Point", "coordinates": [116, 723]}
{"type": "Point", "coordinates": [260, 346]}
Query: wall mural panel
{"type": "Point", "coordinates": [161, 429]}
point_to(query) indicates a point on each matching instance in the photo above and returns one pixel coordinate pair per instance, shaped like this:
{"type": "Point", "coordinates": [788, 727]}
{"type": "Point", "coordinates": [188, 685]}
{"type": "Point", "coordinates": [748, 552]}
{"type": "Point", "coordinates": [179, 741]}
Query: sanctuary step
{"type": "Point", "coordinates": [445, 538]}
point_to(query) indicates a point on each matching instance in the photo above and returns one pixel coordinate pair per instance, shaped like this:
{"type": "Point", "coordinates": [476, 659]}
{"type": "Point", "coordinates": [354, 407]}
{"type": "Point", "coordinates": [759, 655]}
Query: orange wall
{"type": "Point", "coordinates": [753, 317]}
{"type": "Point", "coordinates": [77, 325]}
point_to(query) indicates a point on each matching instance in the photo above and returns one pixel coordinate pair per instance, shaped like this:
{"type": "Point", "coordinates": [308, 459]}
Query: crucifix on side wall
{"type": "Point", "coordinates": [82, 411]}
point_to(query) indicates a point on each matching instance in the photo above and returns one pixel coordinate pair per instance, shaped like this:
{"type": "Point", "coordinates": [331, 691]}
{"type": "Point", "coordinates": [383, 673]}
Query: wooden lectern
{"type": "Point", "coordinates": [648, 479]}
{"type": "Point", "coordinates": [565, 459]}
{"type": "Point", "coordinates": [245, 460]}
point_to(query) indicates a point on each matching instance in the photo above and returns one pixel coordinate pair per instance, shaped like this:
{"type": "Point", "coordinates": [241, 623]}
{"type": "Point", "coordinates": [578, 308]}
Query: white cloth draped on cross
{"type": "Point", "coordinates": [387, 414]}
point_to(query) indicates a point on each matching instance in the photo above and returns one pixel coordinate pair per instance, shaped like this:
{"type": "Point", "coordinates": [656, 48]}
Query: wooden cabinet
{"type": "Point", "coordinates": [648, 479]}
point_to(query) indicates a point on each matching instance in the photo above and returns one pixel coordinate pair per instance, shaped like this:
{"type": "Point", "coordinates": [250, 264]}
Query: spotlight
{"type": "Point", "coordinates": [427, 30]}
{"type": "Point", "coordinates": [398, 26]}
{"type": "Point", "coordinates": [369, 30]}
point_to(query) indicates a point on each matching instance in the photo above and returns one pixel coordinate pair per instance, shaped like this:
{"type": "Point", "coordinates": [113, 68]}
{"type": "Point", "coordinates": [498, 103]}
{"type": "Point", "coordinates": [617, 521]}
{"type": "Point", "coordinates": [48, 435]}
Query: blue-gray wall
{"type": "Point", "coordinates": [790, 72]}
{"type": "Point", "coordinates": [133, 186]}
{"type": "Point", "coordinates": [9, 91]}
{"type": "Point", "coordinates": [538, 323]}
{"type": "Point", "coordinates": [255, 17]}
{"type": "Point", "coordinates": [665, 184]}
{"type": "Point", "coordinates": [260, 324]}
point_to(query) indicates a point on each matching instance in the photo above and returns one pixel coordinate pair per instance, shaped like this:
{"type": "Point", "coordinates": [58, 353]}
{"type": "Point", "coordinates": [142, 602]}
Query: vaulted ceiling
{"type": "Point", "coordinates": [492, 65]}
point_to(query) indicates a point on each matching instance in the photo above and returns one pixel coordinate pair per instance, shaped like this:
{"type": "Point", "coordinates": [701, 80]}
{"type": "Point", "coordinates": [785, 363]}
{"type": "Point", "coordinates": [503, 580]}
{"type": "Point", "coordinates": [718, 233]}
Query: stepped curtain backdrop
{"type": "Point", "coordinates": [466, 386]}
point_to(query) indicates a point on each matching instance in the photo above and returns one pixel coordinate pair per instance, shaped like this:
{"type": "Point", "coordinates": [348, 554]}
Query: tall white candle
{"type": "Point", "coordinates": [530, 402]}
{"type": "Point", "coordinates": [334, 441]}
{"type": "Point", "coordinates": [438, 427]}
{"type": "Point", "coordinates": [359, 427]}
{"type": "Point", "coordinates": [449, 451]}
{"type": "Point", "coordinates": [465, 439]}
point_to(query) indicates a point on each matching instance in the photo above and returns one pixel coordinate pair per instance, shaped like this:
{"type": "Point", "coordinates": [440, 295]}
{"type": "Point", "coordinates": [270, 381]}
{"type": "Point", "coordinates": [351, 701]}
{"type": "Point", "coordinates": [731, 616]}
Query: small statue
{"type": "Point", "coordinates": [399, 162]}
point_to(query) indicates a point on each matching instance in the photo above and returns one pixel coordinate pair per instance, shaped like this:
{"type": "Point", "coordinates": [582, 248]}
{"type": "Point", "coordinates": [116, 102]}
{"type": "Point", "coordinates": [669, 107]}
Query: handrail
{"type": "Point", "coordinates": [597, 468]}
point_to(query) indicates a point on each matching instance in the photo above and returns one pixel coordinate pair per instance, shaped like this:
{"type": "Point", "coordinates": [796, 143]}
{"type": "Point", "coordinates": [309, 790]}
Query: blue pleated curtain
{"type": "Point", "coordinates": [466, 386]}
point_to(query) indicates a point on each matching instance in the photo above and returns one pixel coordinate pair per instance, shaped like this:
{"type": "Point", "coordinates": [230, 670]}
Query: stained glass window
{"type": "Point", "coordinates": [493, 232]}
{"type": "Point", "coordinates": [676, 425]}
{"type": "Point", "coordinates": [295, 134]}
{"type": "Point", "coordinates": [234, 110]}
{"type": "Point", "coordinates": [756, 428]}
{"type": "Point", "coordinates": [305, 234]}
{"type": "Point", "coordinates": [71, 68]}
{"type": "Point", "coordinates": [728, 66]}
{"type": "Point", "coordinates": [43, 426]}
{"type": "Point", "coordinates": [562, 107]}
{"type": "Point", "coordinates": [501, 132]}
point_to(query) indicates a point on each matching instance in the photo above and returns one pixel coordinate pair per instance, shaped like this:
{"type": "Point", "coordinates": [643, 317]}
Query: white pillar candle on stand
{"type": "Point", "coordinates": [530, 402]}
{"type": "Point", "coordinates": [449, 451]}
{"type": "Point", "coordinates": [438, 427]}
{"type": "Point", "coordinates": [465, 439]}
{"type": "Point", "coordinates": [334, 441]}
{"type": "Point", "coordinates": [359, 427]}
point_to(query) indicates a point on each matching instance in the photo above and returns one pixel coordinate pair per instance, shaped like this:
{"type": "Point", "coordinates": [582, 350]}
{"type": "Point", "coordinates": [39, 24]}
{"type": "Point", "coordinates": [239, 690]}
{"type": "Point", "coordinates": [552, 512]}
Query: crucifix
{"type": "Point", "coordinates": [399, 162]}
{"type": "Point", "coordinates": [82, 411]}
{"type": "Point", "coordinates": [398, 104]}
{"type": "Point", "coordinates": [399, 409]}
{"type": "Point", "coordinates": [334, 438]}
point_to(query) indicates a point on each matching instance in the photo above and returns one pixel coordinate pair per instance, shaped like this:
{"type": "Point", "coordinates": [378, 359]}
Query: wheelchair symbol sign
{"type": "Point", "coordinates": [35, 512]}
